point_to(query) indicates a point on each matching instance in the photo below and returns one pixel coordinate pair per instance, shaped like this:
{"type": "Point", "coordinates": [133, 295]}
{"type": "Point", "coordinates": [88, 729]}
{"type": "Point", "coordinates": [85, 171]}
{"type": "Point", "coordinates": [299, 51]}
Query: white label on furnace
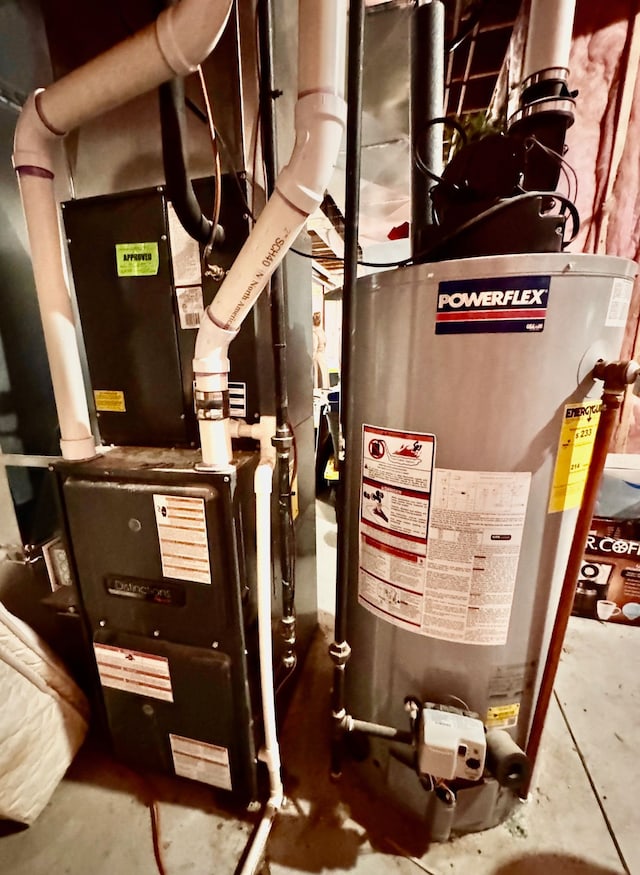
{"type": "Point", "coordinates": [190, 306]}
{"type": "Point", "coordinates": [182, 533]}
{"type": "Point", "coordinates": [619, 303]}
{"type": "Point", "coordinates": [185, 253]}
{"type": "Point", "coordinates": [395, 490]}
{"type": "Point", "coordinates": [200, 761]}
{"type": "Point", "coordinates": [131, 671]}
{"type": "Point", "coordinates": [475, 536]}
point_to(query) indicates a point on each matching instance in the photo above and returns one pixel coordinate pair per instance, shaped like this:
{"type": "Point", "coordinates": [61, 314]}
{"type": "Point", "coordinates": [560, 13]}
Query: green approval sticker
{"type": "Point", "coordinates": [137, 259]}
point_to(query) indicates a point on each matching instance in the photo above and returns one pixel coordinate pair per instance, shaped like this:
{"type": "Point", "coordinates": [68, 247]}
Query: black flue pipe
{"type": "Point", "coordinates": [340, 650]}
{"type": "Point", "coordinates": [284, 438]}
{"type": "Point", "coordinates": [427, 98]}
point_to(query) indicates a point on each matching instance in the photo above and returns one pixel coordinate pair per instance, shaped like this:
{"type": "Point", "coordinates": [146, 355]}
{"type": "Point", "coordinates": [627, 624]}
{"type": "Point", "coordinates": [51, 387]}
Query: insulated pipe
{"type": "Point", "coordinates": [617, 376]}
{"type": "Point", "coordinates": [339, 649]}
{"type": "Point", "coordinates": [179, 187]}
{"type": "Point", "coordinates": [319, 121]}
{"type": "Point", "coordinates": [175, 44]}
{"type": "Point", "coordinates": [548, 35]}
{"type": "Point", "coordinates": [271, 751]}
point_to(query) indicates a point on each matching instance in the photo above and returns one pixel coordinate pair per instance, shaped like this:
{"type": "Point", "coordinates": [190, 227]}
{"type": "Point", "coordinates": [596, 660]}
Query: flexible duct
{"type": "Point", "coordinates": [179, 188]}
{"type": "Point", "coordinates": [319, 123]}
{"type": "Point", "coordinates": [175, 44]}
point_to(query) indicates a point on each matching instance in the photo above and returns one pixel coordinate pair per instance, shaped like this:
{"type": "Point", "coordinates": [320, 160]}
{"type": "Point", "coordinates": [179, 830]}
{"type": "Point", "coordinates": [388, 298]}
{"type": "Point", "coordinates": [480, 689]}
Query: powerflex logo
{"type": "Point", "coordinates": [486, 306]}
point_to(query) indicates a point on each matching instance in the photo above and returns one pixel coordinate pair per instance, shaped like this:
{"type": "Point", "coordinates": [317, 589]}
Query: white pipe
{"type": "Point", "coordinates": [271, 751]}
{"type": "Point", "coordinates": [180, 39]}
{"type": "Point", "coordinates": [548, 35]}
{"type": "Point", "coordinates": [319, 120]}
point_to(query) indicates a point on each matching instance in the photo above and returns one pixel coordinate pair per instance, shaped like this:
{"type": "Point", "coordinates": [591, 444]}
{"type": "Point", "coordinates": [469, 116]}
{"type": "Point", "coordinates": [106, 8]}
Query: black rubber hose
{"type": "Point", "coordinates": [179, 188]}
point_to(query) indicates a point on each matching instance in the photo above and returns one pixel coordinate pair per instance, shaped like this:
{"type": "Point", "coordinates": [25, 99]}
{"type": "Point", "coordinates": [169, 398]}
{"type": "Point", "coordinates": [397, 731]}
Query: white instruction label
{"type": "Point", "coordinates": [182, 533]}
{"type": "Point", "coordinates": [185, 253]}
{"type": "Point", "coordinates": [190, 306]}
{"type": "Point", "coordinates": [475, 536]}
{"type": "Point", "coordinates": [200, 761]}
{"type": "Point", "coordinates": [619, 303]}
{"type": "Point", "coordinates": [394, 514]}
{"type": "Point", "coordinates": [131, 671]}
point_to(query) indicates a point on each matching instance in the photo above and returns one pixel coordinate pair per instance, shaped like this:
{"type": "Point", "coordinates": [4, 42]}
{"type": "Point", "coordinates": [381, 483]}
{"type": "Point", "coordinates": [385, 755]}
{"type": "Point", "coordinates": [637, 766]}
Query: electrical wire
{"type": "Point", "coordinates": [216, 156]}
{"type": "Point", "coordinates": [565, 167]}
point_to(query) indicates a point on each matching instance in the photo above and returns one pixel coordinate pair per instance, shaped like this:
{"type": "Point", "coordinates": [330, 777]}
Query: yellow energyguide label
{"type": "Point", "coordinates": [109, 401]}
{"type": "Point", "coordinates": [579, 426]}
{"type": "Point", "coordinates": [502, 715]}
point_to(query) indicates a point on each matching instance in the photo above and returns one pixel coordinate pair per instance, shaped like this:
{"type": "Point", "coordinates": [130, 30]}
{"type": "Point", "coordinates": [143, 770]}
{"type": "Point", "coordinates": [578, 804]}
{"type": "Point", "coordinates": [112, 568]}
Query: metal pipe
{"type": "Point", "coordinates": [617, 376]}
{"type": "Point", "coordinates": [283, 438]}
{"type": "Point", "coordinates": [339, 650]}
{"type": "Point", "coordinates": [427, 102]}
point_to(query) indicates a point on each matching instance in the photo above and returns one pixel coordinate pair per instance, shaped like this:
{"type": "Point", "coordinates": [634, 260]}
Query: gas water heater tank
{"type": "Point", "coordinates": [473, 418]}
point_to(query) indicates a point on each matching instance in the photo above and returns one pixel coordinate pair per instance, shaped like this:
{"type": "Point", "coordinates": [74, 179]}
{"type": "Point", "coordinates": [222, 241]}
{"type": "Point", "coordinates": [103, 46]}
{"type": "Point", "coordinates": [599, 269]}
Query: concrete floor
{"type": "Point", "coordinates": [582, 816]}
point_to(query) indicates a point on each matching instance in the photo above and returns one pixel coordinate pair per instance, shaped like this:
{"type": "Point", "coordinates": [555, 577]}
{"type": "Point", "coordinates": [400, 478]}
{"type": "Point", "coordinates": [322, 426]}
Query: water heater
{"type": "Point", "coordinates": [473, 419]}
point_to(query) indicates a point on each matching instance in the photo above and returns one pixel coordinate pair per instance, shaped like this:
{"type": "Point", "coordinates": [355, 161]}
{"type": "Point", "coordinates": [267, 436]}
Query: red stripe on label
{"type": "Point", "coordinates": [472, 315]}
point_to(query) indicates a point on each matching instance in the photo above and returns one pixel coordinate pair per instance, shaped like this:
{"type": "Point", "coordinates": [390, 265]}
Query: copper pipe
{"type": "Point", "coordinates": [617, 376]}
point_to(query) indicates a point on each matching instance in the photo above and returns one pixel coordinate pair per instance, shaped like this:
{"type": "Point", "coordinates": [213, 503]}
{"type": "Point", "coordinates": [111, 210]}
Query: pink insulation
{"type": "Point", "coordinates": [604, 150]}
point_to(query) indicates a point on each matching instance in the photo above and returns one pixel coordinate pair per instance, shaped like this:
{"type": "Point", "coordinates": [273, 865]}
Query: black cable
{"type": "Point", "coordinates": [476, 220]}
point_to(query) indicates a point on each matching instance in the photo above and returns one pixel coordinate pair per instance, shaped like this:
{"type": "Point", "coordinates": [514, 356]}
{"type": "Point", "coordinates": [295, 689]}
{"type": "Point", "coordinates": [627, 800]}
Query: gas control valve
{"type": "Point", "coordinates": [450, 743]}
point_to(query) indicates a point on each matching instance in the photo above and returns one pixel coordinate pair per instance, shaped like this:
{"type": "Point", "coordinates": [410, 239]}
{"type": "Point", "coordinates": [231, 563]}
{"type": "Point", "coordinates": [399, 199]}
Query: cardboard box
{"type": "Point", "coordinates": [608, 587]}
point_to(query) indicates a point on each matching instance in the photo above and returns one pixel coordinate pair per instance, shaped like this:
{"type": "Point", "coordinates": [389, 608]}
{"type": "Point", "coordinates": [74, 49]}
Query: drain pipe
{"type": "Point", "coordinates": [270, 754]}
{"type": "Point", "coordinates": [616, 376]}
{"type": "Point", "coordinates": [174, 44]}
{"type": "Point", "coordinates": [340, 650]}
{"type": "Point", "coordinates": [283, 439]}
{"type": "Point", "coordinates": [299, 189]}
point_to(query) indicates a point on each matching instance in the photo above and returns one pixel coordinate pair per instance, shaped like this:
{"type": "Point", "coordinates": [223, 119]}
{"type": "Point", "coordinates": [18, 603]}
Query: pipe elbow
{"type": "Point", "coordinates": [33, 138]}
{"type": "Point", "coordinates": [319, 122]}
{"type": "Point", "coordinates": [187, 33]}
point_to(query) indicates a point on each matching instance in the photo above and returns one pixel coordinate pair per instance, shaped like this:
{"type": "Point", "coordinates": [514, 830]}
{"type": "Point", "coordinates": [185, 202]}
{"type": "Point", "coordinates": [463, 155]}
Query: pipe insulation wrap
{"type": "Point", "coordinates": [548, 35]}
{"type": "Point", "coordinates": [508, 763]}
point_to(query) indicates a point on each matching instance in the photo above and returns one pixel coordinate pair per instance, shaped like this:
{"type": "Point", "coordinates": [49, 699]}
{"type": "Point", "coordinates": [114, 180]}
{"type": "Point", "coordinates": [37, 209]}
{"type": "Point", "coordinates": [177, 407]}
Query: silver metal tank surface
{"type": "Point", "coordinates": [493, 393]}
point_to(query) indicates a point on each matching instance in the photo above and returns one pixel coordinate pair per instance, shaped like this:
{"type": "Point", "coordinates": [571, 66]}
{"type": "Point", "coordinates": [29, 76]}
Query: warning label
{"type": "Point", "coordinates": [485, 306]}
{"type": "Point", "coordinates": [109, 400]}
{"type": "Point", "coordinates": [131, 671]}
{"type": "Point", "coordinates": [397, 469]}
{"type": "Point", "coordinates": [200, 761]}
{"type": "Point", "coordinates": [182, 533]}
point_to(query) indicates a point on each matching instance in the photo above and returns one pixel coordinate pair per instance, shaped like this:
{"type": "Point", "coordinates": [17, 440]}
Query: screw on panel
{"type": "Point", "coordinates": [226, 479]}
{"type": "Point", "coordinates": [215, 645]}
{"type": "Point", "coordinates": [156, 633]}
{"type": "Point", "coordinates": [163, 236]}
{"type": "Point", "coordinates": [102, 623]}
